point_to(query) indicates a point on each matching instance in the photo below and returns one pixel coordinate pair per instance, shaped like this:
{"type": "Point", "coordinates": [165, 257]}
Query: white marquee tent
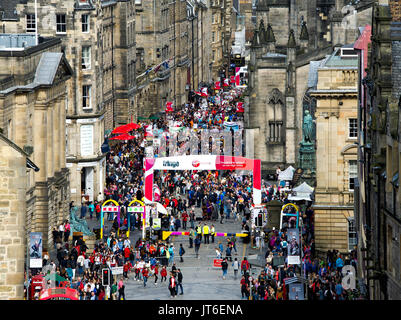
{"type": "Point", "coordinates": [302, 192]}
{"type": "Point", "coordinates": [287, 174]}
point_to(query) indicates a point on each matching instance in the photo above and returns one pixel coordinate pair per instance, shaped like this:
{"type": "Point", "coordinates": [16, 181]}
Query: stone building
{"type": "Point", "coordinates": [33, 116]}
{"type": "Point", "coordinates": [289, 35]}
{"type": "Point", "coordinates": [98, 39]}
{"type": "Point", "coordinates": [377, 200]}
{"type": "Point", "coordinates": [217, 36]}
{"type": "Point", "coordinates": [13, 208]}
{"type": "Point", "coordinates": [177, 33]}
{"type": "Point", "coordinates": [336, 110]}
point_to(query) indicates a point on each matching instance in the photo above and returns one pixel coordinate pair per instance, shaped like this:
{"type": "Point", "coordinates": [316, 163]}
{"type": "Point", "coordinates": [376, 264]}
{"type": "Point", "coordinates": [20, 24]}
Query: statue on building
{"type": "Point", "coordinates": [79, 225]}
{"type": "Point", "coordinates": [307, 127]}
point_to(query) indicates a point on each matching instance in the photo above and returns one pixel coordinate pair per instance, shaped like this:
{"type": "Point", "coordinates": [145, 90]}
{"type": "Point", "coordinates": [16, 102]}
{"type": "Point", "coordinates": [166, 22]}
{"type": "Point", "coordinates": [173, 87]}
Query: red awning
{"type": "Point", "coordinates": [126, 128]}
{"type": "Point", "coordinates": [123, 136]}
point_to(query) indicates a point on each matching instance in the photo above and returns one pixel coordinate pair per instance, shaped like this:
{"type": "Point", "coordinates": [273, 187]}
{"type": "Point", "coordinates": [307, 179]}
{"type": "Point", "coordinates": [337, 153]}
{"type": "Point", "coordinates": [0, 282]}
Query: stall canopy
{"type": "Point", "coordinates": [126, 128]}
{"type": "Point", "coordinates": [302, 192]}
{"type": "Point", "coordinates": [287, 174]}
{"type": "Point", "coordinates": [123, 137]}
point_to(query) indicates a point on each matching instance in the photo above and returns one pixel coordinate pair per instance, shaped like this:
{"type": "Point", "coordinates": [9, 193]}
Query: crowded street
{"type": "Point", "coordinates": [204, 262]}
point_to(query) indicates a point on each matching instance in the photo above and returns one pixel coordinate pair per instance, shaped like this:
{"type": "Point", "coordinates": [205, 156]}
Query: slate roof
{"type": "Point", "coordinates": [336, 61]}
{"type": "Point", "coordinates": [45, 72]}
{"type": "Point", "coordinates": [313, 74]}
{"type": "Point", "coordinates": [47, 68]}
{"type": "Point", "coordinates": [8, 7]}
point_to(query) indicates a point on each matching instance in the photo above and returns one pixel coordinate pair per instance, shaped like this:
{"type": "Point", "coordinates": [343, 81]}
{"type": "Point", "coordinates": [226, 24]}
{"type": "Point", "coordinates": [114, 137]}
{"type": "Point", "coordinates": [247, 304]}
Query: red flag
{"type": "Point", "coordinates": [169, 107]}
{"type": "Point", "coordinates": [237, 76]}
{"type": "Point", "coordinates": [226, 83]}
{"type": "Point", "coordinates": [240, 107]}
{"type": "Point", "coordinates": [204, 92]}
{"type": "Point", "coordinates": [217, 85]}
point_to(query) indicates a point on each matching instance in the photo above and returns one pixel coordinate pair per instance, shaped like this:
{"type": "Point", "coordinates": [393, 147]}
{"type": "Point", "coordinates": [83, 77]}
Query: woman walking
{"type": "Point", "coordinates": [172, 284]}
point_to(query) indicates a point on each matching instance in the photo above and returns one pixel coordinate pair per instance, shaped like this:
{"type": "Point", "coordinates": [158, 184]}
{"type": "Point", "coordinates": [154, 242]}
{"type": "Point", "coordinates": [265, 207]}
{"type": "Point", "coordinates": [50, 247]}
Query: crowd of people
{"type": "Point", "coordinates": [219, 196]}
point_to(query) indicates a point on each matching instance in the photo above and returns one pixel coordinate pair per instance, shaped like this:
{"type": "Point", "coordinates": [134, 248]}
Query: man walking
{"type": "Point", "coordinates": [191, 237]}
{"type": "Point", "coordinates": [179, 282]}
{"type": "Point", "coordinates": [192, 218]}
{"type": "Point", "coordinates": [234, 243]}
{"type": "Point", "coordinates": [197, 246]}
{"type": "Point", "coordinates": [235, 266]}
{"type": "Point", "coordinates": [181, 252]}
{"type": "Point", "coordinates": [224, 267]}
{"type": "Point", "coordinates": [84, 208]}
{"type": "Point", "coordinates": [184, 220]}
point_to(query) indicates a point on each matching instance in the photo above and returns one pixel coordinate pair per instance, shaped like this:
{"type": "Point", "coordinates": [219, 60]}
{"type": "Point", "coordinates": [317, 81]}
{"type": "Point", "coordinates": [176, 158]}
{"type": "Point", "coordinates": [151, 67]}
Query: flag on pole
{"type": "Point", "coordinates": [237, 76]}
{"type": "Point", "coordinates": [169, 107]}
{"type": "Point", "coordinates": [240, 107]}
{"type": "Point", "coordinates": [158, 67]}
{"type": "Point", "coordinates": [156, 193]}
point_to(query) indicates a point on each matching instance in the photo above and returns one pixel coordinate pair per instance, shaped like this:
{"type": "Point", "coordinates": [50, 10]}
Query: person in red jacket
{"type": "Point", "coordinates": [156, 272]}
{"type": "Point", "coordinates": [184, 220]}
{"type": "Point", "coordinates": [244, 288]}
{"type": "Point", "coordinates": [127, 253]}
{"type": "Point", "coordinates": [127, 268]}
{"type": "Point", "coordinates": [163, 274]}
{"type": "Point", "coordinates": [145, 274]}
{"type": "Point", "coordinates": [244, 266]}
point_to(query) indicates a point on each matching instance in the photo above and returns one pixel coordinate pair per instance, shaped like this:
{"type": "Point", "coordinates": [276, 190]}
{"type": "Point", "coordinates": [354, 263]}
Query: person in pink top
{"type": "Point", "coordinates": [121, 288]}
{"type": "Point", "coordinates": [67, 230]}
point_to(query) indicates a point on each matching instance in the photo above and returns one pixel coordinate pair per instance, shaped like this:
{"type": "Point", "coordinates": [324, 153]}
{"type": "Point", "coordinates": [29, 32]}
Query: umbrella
{"type": "Point", "coordinates": [133, 126]}
{"type": "Point", "coordinates": [121, 129]}
{"type": "Point", "coordinates": [126, 128]}
{"type": "Point", "coordinates": [123, 137]}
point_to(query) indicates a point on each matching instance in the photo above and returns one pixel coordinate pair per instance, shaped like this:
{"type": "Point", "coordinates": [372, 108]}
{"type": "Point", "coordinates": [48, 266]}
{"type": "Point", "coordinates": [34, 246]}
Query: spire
{"type": "Point", "coordinates": [262, 5]}
{"type": "Point", "coordinates": [304, 32]}
{"type": "Point", "coordinates": [270, 34]}
{"type": "Point", "coordinates": [262, 33]}
{"type": "Point", "coordinates": [255, 40]}
{"type": "Point", "coordinates": [291, 40]}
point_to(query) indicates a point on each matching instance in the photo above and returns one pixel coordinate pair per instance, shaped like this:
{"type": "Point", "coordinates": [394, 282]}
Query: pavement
{"type": "Point", "coordinates": [201, 281]}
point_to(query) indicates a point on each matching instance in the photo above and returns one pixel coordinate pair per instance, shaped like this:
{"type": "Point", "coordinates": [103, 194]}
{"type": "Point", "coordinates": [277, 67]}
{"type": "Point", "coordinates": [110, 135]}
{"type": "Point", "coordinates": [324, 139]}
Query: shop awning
{"type": "Point", "coordinates": [123, 137]}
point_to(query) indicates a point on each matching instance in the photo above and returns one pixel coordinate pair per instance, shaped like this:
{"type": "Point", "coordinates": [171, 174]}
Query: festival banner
{"type": "Point", "coordinates": [294, 251]}
{"type": "Point", "coordinates": [35, 250]}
